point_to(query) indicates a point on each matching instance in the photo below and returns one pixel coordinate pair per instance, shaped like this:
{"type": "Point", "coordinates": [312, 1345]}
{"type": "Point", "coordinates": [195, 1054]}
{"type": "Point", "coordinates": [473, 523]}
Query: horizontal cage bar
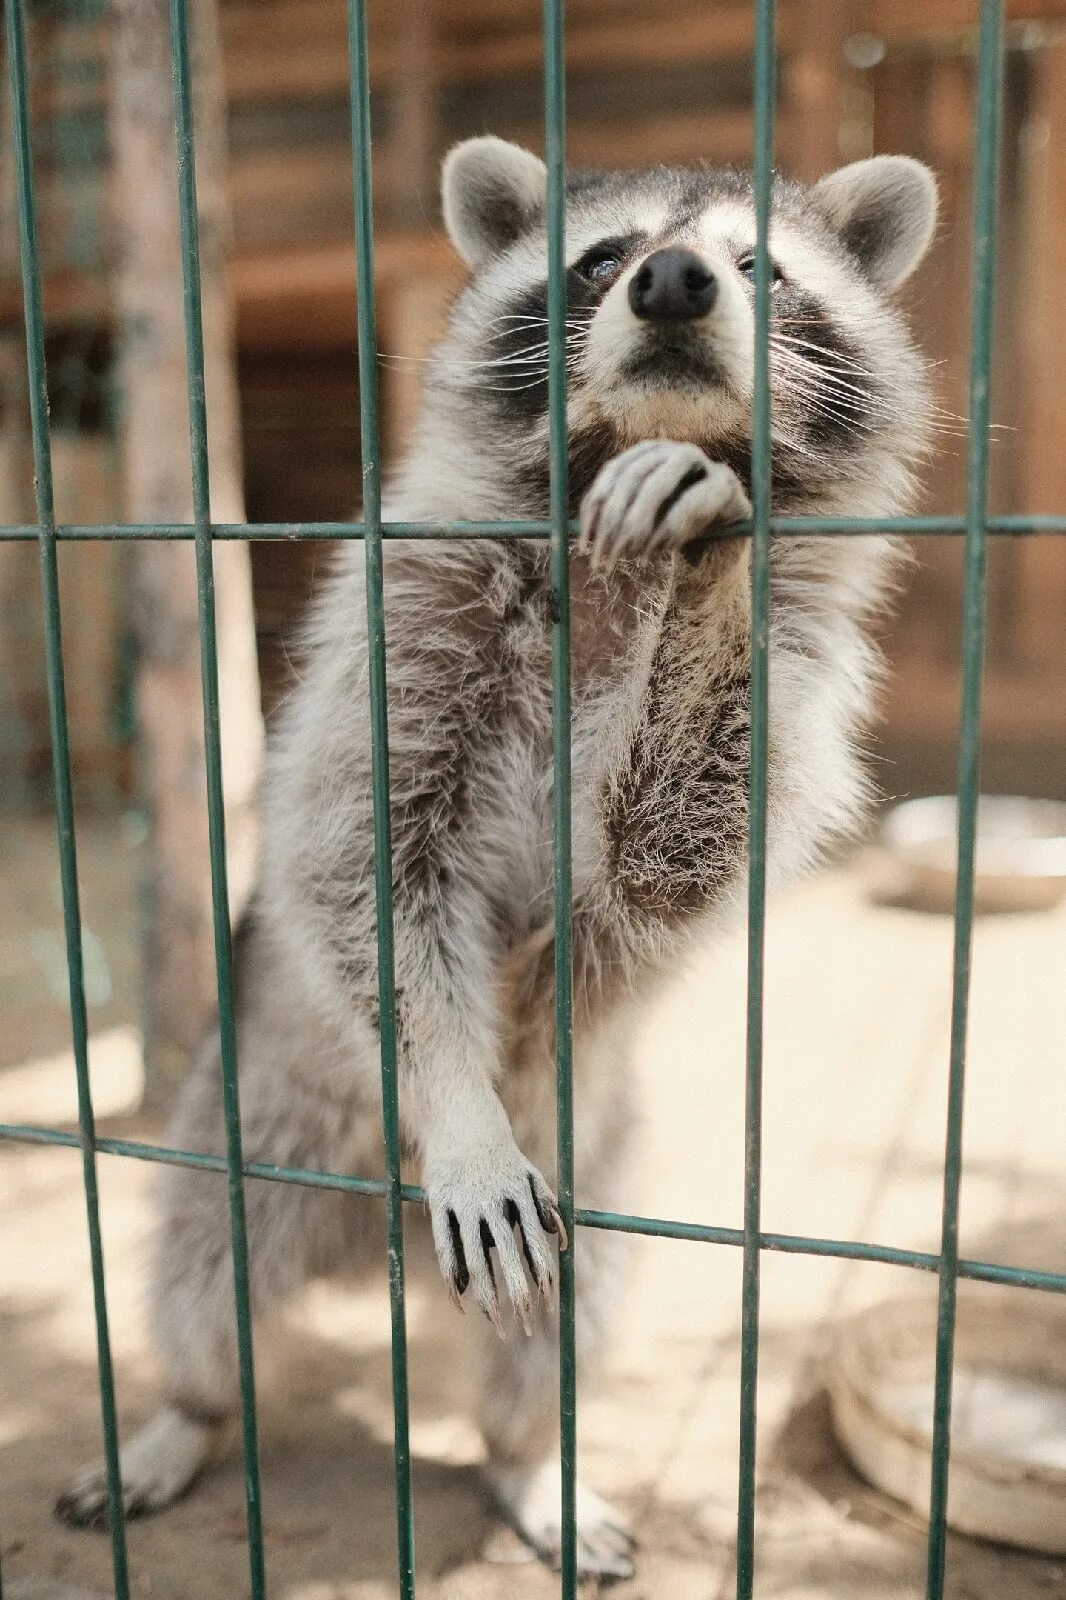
{"type": "Point", "coordinates": [613, 1221]}
{"type": "Point", "coordinates": [1016, 525]}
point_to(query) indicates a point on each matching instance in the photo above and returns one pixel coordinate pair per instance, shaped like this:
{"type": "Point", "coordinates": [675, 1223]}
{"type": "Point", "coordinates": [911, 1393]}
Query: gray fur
{"type": "Point", "coordinates": [661, 648]}
{"type": "Point", "coordinates": [490, 192]}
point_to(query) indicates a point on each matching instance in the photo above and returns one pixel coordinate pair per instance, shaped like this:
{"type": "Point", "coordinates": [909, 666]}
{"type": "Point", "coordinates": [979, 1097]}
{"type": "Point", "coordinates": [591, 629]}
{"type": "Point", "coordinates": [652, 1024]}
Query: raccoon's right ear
{"type": "Point", "coordinates": [491, 190]}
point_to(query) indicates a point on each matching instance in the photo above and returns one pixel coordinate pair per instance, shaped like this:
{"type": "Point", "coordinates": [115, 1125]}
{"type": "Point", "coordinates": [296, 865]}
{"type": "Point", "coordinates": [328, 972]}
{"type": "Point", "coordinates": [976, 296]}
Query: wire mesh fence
{"type": "Point", "coordinates": [973, 524]}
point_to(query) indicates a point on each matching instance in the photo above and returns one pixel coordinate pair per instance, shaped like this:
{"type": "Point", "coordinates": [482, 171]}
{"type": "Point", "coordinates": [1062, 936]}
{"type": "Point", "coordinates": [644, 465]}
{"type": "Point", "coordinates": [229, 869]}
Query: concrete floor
{"type": "Point", "coordinates": [856, 1051]}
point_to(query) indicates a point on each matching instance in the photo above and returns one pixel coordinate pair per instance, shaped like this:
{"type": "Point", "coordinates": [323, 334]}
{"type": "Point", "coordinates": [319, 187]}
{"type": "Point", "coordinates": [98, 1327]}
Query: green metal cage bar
{"type": "Point", "coordinates": [61, 774]}
{"type": "Point", "coordinates": [1013, 526]}
{"type": "Point", "coordinates": [764, 96]}
{"type": "Point", "coordinates": [359, 100]}
{"type": "Point", "coordinates": [986, 185]}
{"type": "Point", "coordinates": [975, 526]}
{"type": "Point", "coordinates": [220, 911]}
{"type": "Point", "coordinates": [611, 1221]}
{"type": "Point", "coordinates": [555, 153]}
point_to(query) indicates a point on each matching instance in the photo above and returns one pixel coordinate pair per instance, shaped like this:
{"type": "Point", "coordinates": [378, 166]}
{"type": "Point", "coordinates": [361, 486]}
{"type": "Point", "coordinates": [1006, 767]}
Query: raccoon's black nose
{"type": "Point", "coordinates": [673, 286]}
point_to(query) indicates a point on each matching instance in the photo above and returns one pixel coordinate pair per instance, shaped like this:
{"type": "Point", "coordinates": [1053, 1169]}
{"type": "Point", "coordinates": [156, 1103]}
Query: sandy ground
{"type": "Point", "coordinates": [857, 1025]}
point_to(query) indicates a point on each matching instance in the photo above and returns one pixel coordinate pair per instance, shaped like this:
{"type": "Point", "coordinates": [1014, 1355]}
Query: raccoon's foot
{"type": "Point", "coordinates": [157, 1466]}
{"type": "Point", "coordinates": [531, 1500]}
{"type": "Point", "coordinates": [654, 497]}
{"type": "Point", "coordinates": [478, 1199]}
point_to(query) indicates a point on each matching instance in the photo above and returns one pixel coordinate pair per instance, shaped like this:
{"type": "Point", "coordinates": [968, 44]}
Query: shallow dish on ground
{"type": "Point", "coordinates": [1008, 1444]}
{"type": "Point", "coordinates": [1021, 854]}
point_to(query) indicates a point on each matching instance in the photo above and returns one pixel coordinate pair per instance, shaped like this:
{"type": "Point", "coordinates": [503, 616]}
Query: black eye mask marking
{"type": "Point", "coordinates": [817, 357]}
{"type": "Point", "coordinates": [615, 252]}
{"type": "Point", "coordinates": [746, 268]}
{"type": "Point", "coordinates": [517, 386]}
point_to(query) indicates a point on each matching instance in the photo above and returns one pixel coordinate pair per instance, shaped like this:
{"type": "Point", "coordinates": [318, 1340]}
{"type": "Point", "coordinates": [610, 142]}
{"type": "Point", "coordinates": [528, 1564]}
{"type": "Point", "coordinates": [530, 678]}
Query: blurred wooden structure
{"type": "Point", "coordinates": [669, 84]}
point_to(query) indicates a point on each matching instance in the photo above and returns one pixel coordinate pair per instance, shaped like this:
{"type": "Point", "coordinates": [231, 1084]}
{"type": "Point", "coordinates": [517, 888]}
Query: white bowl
{"type": "Point", "coordinates": [1020, 859]}
{"type": "Point", "coordinates": [1007, 1480]}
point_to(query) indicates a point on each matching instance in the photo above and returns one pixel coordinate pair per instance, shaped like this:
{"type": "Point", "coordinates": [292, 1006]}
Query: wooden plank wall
{"type": "Point", "coordinates": [923, 102]}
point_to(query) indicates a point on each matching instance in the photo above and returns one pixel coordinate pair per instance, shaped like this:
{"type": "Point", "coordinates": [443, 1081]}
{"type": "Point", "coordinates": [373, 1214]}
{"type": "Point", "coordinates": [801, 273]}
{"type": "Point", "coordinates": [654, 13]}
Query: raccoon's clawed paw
{"type": "Point", "coordinates": [531, 1499]}
{"type": "Point", "coordinates": [493, 1200]}
{"type": "Point", "coordinates": [655, 497]}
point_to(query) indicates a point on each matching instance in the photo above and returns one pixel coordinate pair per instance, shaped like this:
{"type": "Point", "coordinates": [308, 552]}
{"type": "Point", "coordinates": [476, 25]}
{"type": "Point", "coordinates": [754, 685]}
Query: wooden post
{"type": "Point", "coordinates": [179, 960]}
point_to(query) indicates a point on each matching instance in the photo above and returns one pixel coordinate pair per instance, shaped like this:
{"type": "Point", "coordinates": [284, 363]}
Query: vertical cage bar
{"type": "Point", "coordinates": [986, 184]}
{"type": "Point", "coordinates": [205, 594]}
{"type": "Point", "coordinates": [555, 152]}
{"type": "Point", "coordinates": [765, 76]}
{"type": "Point", "coordinates": [359, 92]}
{"type": "Point", "coordinates": [61, 777]}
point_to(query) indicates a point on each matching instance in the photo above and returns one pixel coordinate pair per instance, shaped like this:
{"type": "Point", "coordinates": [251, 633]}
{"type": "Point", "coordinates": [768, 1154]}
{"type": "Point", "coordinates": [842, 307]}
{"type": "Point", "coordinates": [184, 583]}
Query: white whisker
{"type": "Point", "coordinates": [825, 358]}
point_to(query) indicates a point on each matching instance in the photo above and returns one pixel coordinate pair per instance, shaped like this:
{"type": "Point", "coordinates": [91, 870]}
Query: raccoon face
{"type": "Point", "coordinates": [660, 311]}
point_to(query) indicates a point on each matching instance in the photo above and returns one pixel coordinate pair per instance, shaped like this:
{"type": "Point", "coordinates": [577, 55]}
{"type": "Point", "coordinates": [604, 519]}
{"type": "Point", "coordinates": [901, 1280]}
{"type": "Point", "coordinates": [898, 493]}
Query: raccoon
{"type": "Point", "coordinates": [660, 359]}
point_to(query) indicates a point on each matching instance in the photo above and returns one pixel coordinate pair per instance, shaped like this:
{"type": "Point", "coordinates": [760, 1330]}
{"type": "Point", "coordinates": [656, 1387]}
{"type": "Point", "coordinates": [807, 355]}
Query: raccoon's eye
{"type": "Point", "coordinates": [600, 266]}
{"type": "Point", "coordinates": [746, 268]}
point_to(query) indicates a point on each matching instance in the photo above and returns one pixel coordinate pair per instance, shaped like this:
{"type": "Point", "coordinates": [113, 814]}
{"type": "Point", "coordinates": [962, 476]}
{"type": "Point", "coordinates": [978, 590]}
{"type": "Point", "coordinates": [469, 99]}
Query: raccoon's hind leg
{"type": "Point", "coordinates": [519, 1378]}
{"type": "Point", "coordinates": [519, 1419]}
{"type": "Point", "coordinates": [193, 1322]}
{"type": "Point", "coordinates": [293, 1233]}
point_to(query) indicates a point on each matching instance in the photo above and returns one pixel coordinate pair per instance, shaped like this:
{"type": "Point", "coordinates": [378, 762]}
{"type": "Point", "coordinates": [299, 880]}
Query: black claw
{"type": "Point", "coordinates": [70, 1510]}
{"type": "Point", "coordinates": [546, 1209]}
{"type": "Point", "coordinates": [461, 1272]}
{"type": "Point", "coordinates": [593, 527]}
{"type": "Point", "coordinates": [688, 481]}
{"type": "Point", "coordinates": [514, 1217]}
{"type": "Point", "coordinates": [488, 1244]}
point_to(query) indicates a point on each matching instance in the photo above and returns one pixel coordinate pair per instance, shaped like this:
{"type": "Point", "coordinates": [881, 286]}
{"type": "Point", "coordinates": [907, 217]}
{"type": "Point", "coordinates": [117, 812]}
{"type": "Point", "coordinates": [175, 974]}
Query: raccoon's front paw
{"type": "Point", "coordinates": [478, 1201]}
{"type": "Point", "coordinates": [654, 497]}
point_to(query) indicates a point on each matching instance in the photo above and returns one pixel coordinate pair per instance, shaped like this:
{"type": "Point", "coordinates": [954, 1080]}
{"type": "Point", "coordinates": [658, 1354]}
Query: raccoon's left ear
{"type": "Point", "coordinates": [885, 211]}
{"type": "Point", "coordinates": [491, 190]}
